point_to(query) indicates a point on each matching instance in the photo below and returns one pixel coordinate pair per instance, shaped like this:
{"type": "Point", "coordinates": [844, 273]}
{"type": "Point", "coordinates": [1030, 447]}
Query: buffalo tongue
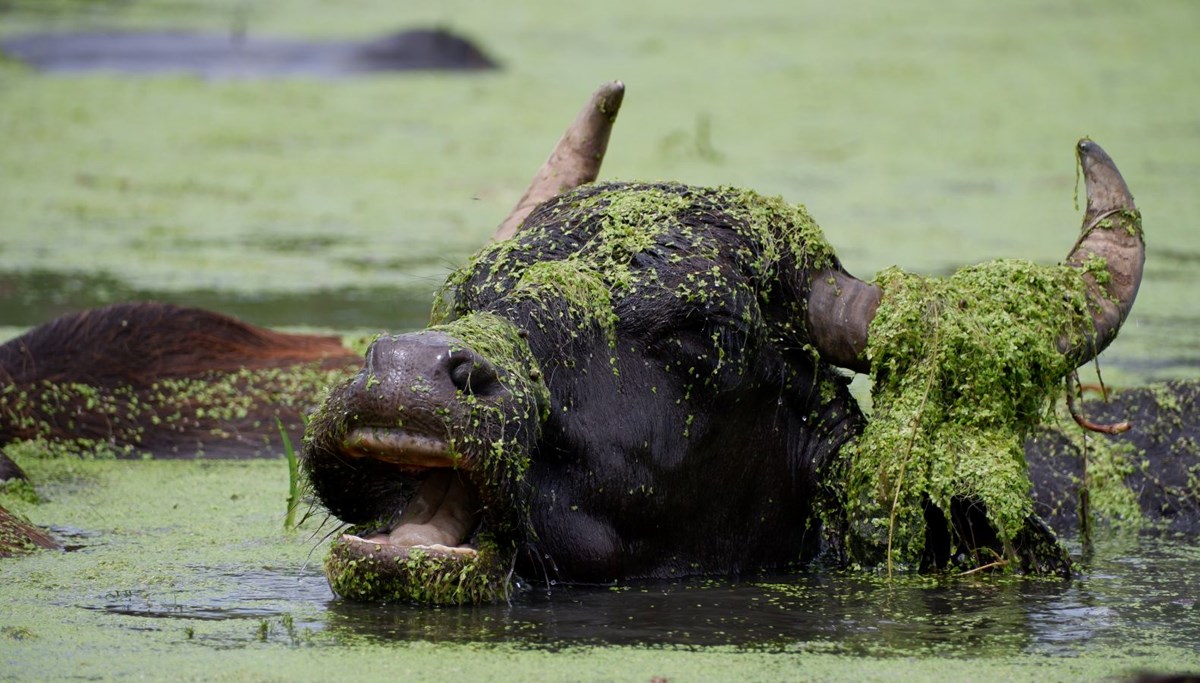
{"type": "Point", "coordinates": [441, 512]}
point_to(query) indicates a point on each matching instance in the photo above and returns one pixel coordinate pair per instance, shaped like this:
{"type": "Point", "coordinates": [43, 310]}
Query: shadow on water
{"type": "Point", "coordinates": [834, 613]}
{"type": "Point", "coordinates": [1143, 594]}
{"type": "Point", "coordinates": [240, 594]}
{"type": "Point", "coordinates": [29, 298]}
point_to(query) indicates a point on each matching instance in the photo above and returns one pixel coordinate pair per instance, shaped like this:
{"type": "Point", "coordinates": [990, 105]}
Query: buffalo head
{"type": "Point", "coordinates": [640, 383]}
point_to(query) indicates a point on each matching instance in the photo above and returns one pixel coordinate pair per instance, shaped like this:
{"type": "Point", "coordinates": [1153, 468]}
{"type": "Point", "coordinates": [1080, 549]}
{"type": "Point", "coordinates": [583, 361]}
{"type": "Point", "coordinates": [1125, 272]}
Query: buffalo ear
{"type": "Point", "coordinates": [576, 158]}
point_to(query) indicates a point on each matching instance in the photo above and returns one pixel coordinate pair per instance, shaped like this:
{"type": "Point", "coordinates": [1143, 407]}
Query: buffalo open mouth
{"type": "Point", "coordinates": [442, 513]}
{"type": "Point", "coordinates": [430, 551]}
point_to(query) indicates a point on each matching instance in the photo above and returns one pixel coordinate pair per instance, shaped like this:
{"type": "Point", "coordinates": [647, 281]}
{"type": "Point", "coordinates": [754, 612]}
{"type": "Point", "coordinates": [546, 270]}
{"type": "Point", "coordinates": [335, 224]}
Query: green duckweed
{"type": "Point", "coordinates": [219, 409]}
{"type": "Point", "coordinates": [964, 368]}
{"type": "Point", "coordinates": [418, 576]}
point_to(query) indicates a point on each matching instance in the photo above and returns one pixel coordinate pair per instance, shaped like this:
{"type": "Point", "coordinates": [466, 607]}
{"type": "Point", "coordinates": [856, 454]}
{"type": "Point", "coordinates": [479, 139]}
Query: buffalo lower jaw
{"type": "Point", "coordinates": [368, 548]}
{"type": "Point", "coordinates": [427, 555]}
{"type": "Point", "coordinates": [370, 571]}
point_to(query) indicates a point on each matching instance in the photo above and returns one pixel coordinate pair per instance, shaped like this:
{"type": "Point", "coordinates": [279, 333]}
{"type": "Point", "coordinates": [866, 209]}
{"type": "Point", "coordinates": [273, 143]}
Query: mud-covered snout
{"type": "Point", "coordinates": [426, 451]}
{"type": "Point", "coordinates": [419, 380]}
{"type": "Point", "coordinates": [380, 436]}
{"type": "Point", "coordinates": [466, 397]}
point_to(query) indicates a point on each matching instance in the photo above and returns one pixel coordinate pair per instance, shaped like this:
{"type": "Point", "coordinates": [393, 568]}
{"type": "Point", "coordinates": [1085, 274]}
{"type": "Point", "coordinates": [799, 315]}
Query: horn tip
{"type": "Point", "coordinates": [608, 98]}
{"type": "Point", "coordinates": [1106, 188]}
{"type": "Point", "coordinates": [1089, 152]}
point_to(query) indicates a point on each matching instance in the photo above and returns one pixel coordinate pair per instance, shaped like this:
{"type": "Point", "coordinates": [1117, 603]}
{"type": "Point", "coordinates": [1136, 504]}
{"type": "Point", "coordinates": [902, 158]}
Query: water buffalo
{"type": "Point", "coordinates": [1148, 473]}
{"type": "Point", "coordinates": [641, 383]}
{"type": "Point", "coordinates": [163, 380]}
{"type": "Point", "coordinates": [155, 379]}
{"type": "Point", "coordinates": [241, 56]}
{"type": "Point", "coordinates": [634, 381]}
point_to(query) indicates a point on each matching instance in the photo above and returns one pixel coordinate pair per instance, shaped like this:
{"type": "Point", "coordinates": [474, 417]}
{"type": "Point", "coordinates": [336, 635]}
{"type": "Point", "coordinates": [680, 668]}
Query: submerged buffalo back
{"type": "Point", "coordinates": [1145, 478]}
{"type": "Point", "coordinates": [140, 343]}
{"type": "Point", "coordinates": [170, 380]}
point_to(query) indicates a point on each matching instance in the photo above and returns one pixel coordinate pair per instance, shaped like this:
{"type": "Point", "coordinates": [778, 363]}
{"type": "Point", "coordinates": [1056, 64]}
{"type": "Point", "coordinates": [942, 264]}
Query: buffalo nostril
{"type": "Point", "coordinates": [472, 375]}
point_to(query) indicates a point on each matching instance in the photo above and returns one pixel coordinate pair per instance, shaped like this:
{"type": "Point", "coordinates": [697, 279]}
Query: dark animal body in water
{"type": "Point", "coordinates": [640, 383]}
{"type": "Point", "coordinates": [1157, 461]}
{"type": "Point", "coordinates": [163, 380]}
{"type": "Point", "coordinates": [241, 56]}
{"type": "Point", "coordinates": [599, 382]}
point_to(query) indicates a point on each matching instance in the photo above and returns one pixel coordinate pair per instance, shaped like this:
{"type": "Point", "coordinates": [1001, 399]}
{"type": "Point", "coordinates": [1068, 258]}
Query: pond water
{"type": "Point", "coordinates": [920, 134]}
{"type": "Point", "coordinates": [924, 136]}
{"type": "Point", "coordinates": [185, 567]}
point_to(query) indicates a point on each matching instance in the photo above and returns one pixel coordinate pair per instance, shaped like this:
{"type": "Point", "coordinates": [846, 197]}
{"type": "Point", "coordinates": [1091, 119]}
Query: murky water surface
{"type": "Point", "coordinates": [920, 134]}
{"type": "Point", "coordinates": [1147, 599]}
{"type": "Point", "coordinates": [1143, 600]}
{"type": "Point", "coordinates": [186, 564]}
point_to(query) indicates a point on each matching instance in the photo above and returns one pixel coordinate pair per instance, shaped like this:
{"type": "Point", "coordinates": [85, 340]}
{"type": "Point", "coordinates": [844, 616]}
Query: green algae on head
{"type": "Point", "coordinates": [964, 368]}
{"type": "Point", "coordinates": [485, 443]}
{"type": "Point", "coordinates": [358, 570]}
{"type": "Point", "coordinates": [578, 269]}
{"type": "Point", "coordinates": [591, 271]}
{"type": "Point", "coordinates": [588, 300]}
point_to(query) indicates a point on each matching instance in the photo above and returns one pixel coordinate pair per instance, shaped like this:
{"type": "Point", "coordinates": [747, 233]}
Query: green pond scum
{"type": "Point", "coordinates": [964, 368]}
{"type": "Point", "coordinates": [182, 571]}
{"type": "Point", "coordinates": [222, 409]}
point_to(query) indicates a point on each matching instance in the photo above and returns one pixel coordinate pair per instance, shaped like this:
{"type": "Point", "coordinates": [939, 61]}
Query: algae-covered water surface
{"type": "Point", "coordinates": [182, 570]}
{"type": "Point", "coordinates": [923, 135]}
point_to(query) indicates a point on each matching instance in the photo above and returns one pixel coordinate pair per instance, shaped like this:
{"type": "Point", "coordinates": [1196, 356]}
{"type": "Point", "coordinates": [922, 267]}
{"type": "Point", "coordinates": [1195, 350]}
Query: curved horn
{"type": "Point", "coordinates": [840, 310]}
{"type": "Point", "coordinates": [1112, 231]}
{"type": "Point", "coordinates": [576, 158]}
{"type": "Point", "coordinates": [841, 307]}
